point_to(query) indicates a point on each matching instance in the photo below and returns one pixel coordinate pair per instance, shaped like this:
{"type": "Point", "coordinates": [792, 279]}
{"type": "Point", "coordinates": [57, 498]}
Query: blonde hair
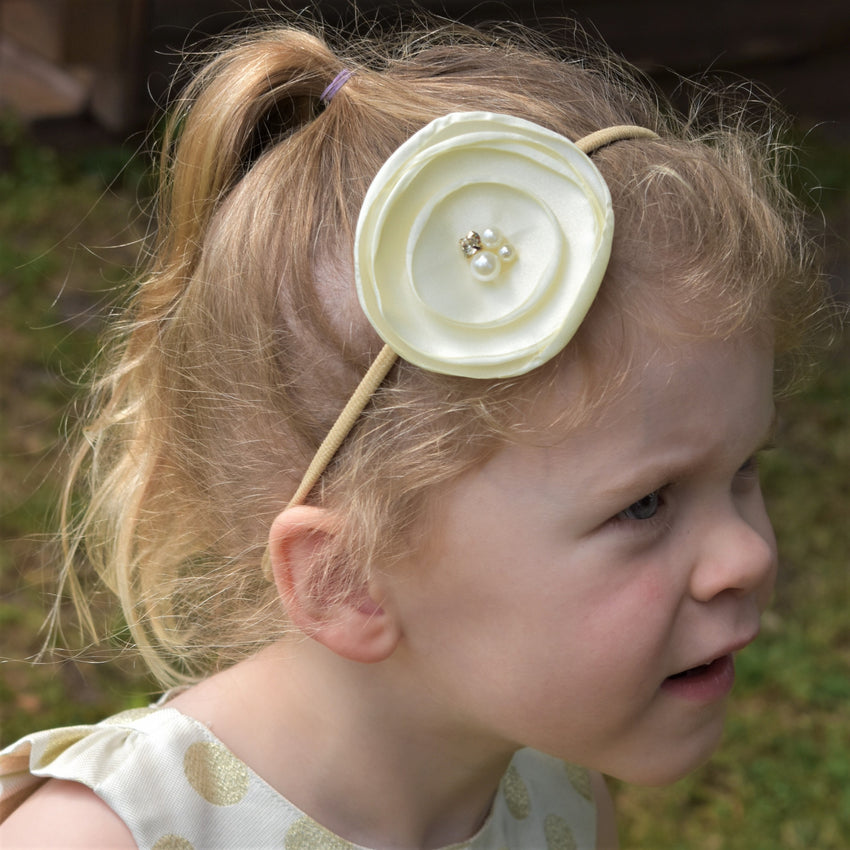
{"type": "Point", "coordinates": [243, 338]}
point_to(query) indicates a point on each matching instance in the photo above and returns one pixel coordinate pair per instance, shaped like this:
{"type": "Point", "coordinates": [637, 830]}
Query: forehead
{"type": "Point", "coordinates": [706, 393]}
{"type": "Point", "coordinates": [689, 413]}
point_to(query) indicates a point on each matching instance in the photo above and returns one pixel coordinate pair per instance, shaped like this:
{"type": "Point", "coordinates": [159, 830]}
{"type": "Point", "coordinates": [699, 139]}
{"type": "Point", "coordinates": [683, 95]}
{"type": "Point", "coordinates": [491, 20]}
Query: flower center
{"type": "Point", "coordinates": [486, 252]}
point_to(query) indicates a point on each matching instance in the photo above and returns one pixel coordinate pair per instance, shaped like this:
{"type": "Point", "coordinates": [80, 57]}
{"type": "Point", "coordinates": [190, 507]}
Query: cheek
{"type": "Point", "coordinates": [627, 622]}
{"type": "Point", "coordinates": [634, 586]}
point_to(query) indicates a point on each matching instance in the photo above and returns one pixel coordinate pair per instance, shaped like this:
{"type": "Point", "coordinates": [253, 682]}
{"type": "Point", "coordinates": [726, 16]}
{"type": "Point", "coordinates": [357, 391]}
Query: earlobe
{"type": "Point", "coordinates": [354, 623]}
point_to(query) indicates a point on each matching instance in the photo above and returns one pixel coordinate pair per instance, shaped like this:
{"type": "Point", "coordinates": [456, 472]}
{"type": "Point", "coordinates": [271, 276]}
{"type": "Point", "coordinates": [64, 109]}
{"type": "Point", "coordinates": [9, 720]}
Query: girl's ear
{"type": "Point", "coordinates": [356, 626]}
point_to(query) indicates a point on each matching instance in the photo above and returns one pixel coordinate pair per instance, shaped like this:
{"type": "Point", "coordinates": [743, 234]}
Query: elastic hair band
{"type": "Point", "coordinates": [385, 360]}
{"type": "Point", "coordinates": [335, 85]}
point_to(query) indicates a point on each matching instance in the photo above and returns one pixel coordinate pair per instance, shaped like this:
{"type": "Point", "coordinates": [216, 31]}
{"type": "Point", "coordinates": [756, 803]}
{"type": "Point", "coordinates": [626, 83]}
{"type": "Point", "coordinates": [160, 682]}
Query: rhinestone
{"type": "Point", "coordinates": [470, 244]}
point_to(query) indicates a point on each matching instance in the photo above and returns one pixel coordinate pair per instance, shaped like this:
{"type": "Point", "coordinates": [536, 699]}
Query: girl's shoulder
{"type": "Point", "coordinates": [158, 778]}
{"type": "Point", "coordinates": [157, 771]}
{"type": "Point", "coordinates": [66, 764]}
{"type": "Point", "coordinates": [64, 814]}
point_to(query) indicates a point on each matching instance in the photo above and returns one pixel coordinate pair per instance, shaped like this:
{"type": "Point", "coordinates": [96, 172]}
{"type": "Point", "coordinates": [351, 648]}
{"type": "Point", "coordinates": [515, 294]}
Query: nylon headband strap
{"type": "Point", "coordinates": [345, 422]}
{"type": "Point", "coordinates": [387, 357]}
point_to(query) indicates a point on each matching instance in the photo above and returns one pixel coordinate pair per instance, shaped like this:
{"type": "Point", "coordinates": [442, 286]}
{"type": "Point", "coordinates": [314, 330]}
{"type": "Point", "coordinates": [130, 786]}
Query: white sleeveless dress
{"type": "Point", "coordinates": [177, 787]}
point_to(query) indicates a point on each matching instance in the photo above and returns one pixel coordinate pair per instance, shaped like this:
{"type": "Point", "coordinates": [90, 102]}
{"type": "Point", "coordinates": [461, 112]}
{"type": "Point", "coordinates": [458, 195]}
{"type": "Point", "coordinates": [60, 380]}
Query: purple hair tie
{"type": "Point", "coordinates": [335, 85]}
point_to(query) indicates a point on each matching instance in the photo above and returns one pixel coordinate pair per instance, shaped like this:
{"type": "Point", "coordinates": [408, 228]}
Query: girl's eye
{"type": "Point", "coordinates": [644, 508]}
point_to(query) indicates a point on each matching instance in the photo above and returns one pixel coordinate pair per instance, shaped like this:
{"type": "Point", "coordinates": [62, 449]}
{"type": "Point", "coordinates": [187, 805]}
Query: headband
{"type": "Point", "coordinates": [480, 246]}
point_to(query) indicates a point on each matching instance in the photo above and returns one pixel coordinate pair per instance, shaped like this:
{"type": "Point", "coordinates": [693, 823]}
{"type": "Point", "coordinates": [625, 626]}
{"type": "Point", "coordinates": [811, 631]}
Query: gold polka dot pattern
{"type": "Point", "coordinates": [215, 773]}
{"type": "Point", "coordinates": [543, 803]}
{"type": "Point", "coordinates": [173, 842]}
{"type": "Point", "coordinates": [516, 794]}
{"type": "Point", "coordinates": [57, 744]}
{"type": "Point", "coordinates": [558, 834]}
{"type": "Point", "coordinates": [580, 780]}
{"type": "Point", "coordinates": [306, 834]}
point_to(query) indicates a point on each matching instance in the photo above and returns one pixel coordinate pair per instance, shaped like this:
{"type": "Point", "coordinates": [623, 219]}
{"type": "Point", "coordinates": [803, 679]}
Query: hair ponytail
{"type": "Point", "coordinates": [245, 100]}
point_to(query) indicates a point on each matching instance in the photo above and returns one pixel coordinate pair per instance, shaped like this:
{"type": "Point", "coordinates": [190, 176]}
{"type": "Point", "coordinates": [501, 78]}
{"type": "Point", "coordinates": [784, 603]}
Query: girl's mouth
{"type": "Point", "coordinates": [694, 671]}
{"type": "Point", "coordinates": [705, 683]}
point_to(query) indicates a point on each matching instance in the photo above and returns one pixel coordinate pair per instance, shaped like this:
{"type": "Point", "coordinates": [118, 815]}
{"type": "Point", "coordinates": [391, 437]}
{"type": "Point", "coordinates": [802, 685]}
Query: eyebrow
{"type": "Point", "coordinates": [666, 473]}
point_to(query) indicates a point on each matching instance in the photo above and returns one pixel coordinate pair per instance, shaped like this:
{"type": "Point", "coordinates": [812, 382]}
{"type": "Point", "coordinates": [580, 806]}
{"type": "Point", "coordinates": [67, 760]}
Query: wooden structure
{"type": "Point", "coordinates": [112, 59]}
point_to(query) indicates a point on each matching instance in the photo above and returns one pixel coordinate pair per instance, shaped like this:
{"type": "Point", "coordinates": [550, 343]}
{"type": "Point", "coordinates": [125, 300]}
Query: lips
{"type": "Point", "coordinates": [692, 671]}
{"type": "Point", "coordinates": [701, 671]}
{"type": "Point", "coordinates": [708, 661]}
{"type": "Point", "coordinates": [703, 684]}
{"type": "Point", "coordinates": [709, 680]}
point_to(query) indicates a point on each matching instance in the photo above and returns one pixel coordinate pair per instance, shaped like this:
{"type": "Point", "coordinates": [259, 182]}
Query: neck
{"type": "Point", "coordinates": [377, 762]}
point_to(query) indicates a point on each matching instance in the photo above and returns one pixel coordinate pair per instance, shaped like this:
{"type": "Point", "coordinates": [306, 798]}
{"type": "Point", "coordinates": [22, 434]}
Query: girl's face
{"type": "Point", "coordinates": [565, 585]}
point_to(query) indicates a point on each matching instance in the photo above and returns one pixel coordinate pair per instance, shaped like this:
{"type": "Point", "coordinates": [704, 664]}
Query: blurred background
{"type": "Point", "coordinates": [81, 85]}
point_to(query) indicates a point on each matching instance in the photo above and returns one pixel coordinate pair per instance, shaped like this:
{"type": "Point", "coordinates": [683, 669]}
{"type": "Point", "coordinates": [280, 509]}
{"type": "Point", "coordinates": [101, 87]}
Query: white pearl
{"type": "Point", "coordinates": [485, 265]}
{"type": "Point", "coordinates": [490, 237]}
{"type": "Point", "coordinates": [506, 253]}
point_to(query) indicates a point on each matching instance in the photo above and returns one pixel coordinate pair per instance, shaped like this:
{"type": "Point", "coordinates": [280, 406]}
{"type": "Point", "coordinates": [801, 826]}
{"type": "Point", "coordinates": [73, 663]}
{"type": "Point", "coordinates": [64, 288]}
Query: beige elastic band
{"type": "Point", "coordinates": [387, 357]}
{"type": "Point", "coordinates": [594, 141]}
{"type": "Point", "coordinates": [345, 422]}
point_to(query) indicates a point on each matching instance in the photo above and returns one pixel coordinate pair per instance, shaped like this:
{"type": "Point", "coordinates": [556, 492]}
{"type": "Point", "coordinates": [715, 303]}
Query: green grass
{"type": "Point", "coordinates": [68, 234]}
{"type": "Point", "coordinates": [781, 778]}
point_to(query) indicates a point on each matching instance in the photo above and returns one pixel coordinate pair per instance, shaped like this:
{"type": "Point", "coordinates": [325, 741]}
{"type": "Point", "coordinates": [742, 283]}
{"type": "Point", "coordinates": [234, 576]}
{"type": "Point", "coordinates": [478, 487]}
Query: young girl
{"type": "Point", "coordinates": [426, 460]}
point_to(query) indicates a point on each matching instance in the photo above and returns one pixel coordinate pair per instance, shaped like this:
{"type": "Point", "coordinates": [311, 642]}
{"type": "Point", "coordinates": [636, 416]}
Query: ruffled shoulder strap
{"type": "Point", "coordinates": [25, 765]}
{"type": "Point", "coordinates": [164, 774]}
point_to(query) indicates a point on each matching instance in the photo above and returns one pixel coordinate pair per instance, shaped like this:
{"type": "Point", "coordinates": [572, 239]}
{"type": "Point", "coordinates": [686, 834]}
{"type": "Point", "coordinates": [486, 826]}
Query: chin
{"type": "Point", "coordinates": [672, 760]}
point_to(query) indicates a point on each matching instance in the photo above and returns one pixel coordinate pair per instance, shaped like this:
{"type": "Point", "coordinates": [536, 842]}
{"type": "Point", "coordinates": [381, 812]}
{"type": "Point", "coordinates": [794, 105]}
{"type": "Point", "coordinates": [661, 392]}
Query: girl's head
{"type": "Point", "coordinates": [244, 338]}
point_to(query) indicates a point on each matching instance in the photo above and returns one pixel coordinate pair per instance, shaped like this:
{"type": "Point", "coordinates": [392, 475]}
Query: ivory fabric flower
{"type": "Point", "coordinates": [481, 244]}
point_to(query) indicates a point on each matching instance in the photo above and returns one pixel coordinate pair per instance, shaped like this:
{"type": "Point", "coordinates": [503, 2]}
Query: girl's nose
{"type": "Point", "coordinates": [737, 554]}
